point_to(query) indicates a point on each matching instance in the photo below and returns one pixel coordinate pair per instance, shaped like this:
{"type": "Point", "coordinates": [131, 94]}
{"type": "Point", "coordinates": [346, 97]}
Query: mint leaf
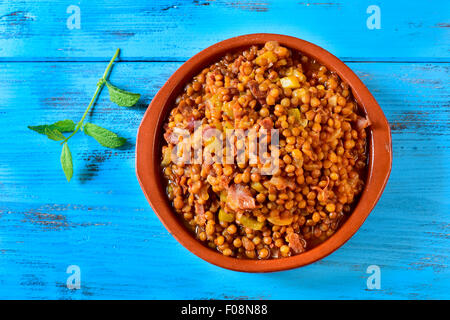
{"type": "Point", "coordinates": [39, 129]}
{"type": "Point", "coordinates": [61, 126]}
{"type": "Point", "coordinates": [103, 136]}
{"type": "Point", "coordinates": [53, 134]}
{"type": "Point", "coordinates": [121, 97]}
{"type": "Point", "coordinates": [64, 125]}
{"type": "Point", "coordinates": [66, 161]}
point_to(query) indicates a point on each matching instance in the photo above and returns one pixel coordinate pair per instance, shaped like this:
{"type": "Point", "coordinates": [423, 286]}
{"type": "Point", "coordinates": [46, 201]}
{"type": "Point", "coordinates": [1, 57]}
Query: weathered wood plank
{"type": "Point", "coordinates": [102, 222]}
{"type": "Point", "coordinates": [175, 30]}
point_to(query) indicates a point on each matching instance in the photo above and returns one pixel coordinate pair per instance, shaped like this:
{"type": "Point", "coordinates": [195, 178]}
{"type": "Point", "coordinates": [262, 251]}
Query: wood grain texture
{"type": "Point", "coordinates": [167, 30]}
{"type": "Point", "coordinates": [102, 222]}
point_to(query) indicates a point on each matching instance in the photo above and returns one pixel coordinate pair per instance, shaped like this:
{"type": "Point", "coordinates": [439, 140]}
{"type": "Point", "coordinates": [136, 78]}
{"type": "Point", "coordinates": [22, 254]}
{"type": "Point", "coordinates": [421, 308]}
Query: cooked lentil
{"type": "Point", "coordinates": [233, 208]}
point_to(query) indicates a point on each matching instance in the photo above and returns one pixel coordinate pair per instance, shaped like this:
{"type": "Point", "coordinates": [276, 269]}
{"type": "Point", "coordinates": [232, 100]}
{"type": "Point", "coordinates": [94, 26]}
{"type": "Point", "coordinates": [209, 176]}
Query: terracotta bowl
{"type": "Point", "coordinates": [149, 143]}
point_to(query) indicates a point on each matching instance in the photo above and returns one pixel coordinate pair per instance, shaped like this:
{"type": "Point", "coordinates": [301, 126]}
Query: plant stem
{"type": "Point", "coordinates": [106, 73]}
{"type": "Point", "coordinates": [100, 85]}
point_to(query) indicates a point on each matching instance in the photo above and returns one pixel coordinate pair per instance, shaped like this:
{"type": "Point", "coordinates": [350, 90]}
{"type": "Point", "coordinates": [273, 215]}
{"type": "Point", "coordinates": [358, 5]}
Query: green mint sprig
{"type": "Point", "coordinates": [103, 136]}
{"type": "Point", "coordinates": [61, 126]}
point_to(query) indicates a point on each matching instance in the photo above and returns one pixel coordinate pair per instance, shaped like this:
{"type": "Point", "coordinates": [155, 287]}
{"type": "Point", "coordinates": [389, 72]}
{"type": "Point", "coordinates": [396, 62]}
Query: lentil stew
{"type": "Point", "coordinates": [235, 209]}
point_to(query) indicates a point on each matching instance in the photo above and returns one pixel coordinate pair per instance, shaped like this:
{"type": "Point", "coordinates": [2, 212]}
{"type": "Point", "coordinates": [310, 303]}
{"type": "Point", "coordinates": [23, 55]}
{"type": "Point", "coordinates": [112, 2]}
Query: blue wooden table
{"type": "Point", "coordinates": [53, 52]}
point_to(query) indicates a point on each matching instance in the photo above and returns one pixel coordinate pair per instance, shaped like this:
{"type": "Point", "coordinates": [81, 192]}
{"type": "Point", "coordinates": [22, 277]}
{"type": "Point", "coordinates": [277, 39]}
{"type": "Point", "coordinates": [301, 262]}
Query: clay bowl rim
{"type": "Point", "coordinates": [149, 136]}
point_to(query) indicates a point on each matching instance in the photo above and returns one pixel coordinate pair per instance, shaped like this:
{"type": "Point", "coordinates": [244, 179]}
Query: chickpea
{"type": "Point", "coordinates": [316, 127]}
{"type": "Point", "coordinates": [297, 154]}
{"type": "Point", "coordinates": [227, 170]}
{"type": "Point", "coordinates": [263, 253]}
{"type": "Point", "coordinates": [237, 243]}
{"type": "Point", "coordinates": [260, 197]}
{"type": "Point", "coordinates": [315, 102]}
{"type": "Point", "coordinates": [267, 240]}
{"type": "Point", "coordinates": [290, 140]}
{"type": "Point", "coordinates": [316, 217]}
{"type": "Point", "coordinates": [220, 240]}
{"type": "Point", "coordinates": [287, 159]}
{"type": "Point", "coordinates": [255, 177]}
{"type": "Point", "coordinates": [286, 102]}
{"type": "Point", "coordinates": [264, 112]}
{"type": "Point", "coordinates": [284, 250]}
{"type": "Point", "coordinates": [274, 93]}
{"type": "Point", "coordinates": [270, 100]}
{"type": "Point", "coordinates": [279, 242]}
{"type": "Point", "coordinates": [349, 144]}
{"type": "Point", "coordinates": [210, 227]}
{"type": "Point", "coordinates": [227, 252]}
{"type": "Point", "coordinates": [232, 229]}
{"type": "Point", "coordinates": [178, 202]}
{"type": "Point", "coordinates": [330, 207]}
{"type": "Point", "coordinates": [256, 240]}
{"type": "Point", "coordinates": [202, 236]}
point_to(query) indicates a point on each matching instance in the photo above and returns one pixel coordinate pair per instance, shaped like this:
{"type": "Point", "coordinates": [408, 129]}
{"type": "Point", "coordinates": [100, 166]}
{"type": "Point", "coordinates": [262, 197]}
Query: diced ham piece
{"type": "Point", "coordinates": [282, 183]}
{"type": "Point", "coordinates": [190, 123]}
{"type": "Point", "coordinates": [209, 105]}
{"type": "Point", "coordinates": [185, 109]}
{"type": "Point", "coordinates": [266, 123]}
{"type": "Point", "coordinates": [362, 123]}
{"type": "Point", "coordinates": [209, 132]}
{"type": "Point", "coordinates": [233, 91]}
{"type": "Point", "coordinates": [254, 89]}
{"type": "Point", "coordinates": [296, 243]}
{"type": "Point", "coordinates": [238, 111]}
{"type": "Point", "coordinates": [171, 137]}
{"type": "Point", "coordinates": [323, 191]}
{"type": "Point", "coordinates": [200, 212]}
{"type": "Point", "coordinates": [240, 198]}
{"type": "Point", "coordinates": [223, 181]}
{"type": "Point", "coordinates": [236, 64]}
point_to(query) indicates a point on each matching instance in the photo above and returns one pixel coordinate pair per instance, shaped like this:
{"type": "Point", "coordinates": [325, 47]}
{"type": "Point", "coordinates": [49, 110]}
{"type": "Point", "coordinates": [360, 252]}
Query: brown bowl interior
{"type": "Point", "coordinates": [149, 142]}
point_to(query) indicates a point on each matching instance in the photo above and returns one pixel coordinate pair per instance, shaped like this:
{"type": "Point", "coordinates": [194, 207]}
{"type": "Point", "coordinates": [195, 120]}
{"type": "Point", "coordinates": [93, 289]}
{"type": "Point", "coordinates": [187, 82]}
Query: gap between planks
{"type": "Point", "coordinates": [184, 60]}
